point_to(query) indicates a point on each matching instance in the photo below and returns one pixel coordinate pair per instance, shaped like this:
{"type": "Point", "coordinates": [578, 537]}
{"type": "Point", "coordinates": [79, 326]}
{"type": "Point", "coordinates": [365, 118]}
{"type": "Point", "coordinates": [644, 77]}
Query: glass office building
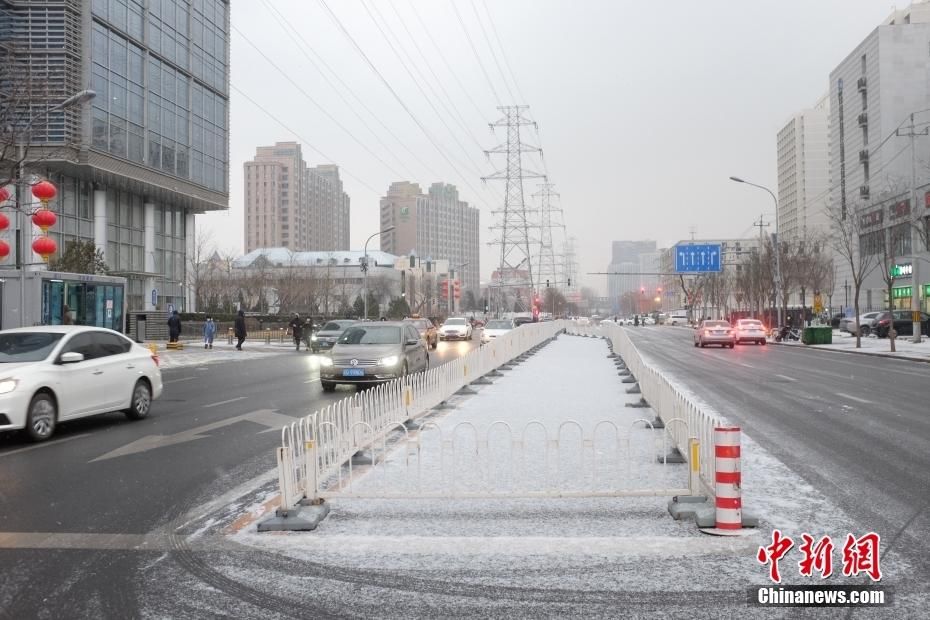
{"type": "Point", "coordinates": [135, 164]}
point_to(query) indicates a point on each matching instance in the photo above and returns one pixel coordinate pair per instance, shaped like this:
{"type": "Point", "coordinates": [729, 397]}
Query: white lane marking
{"type": "Point", "coordinates": [786, 378]}
{"type": "Point", "coordinates": [43, 444]}
{"type": "Point", "coordinates": [745, 365]}
{"type": "Point", "coordinates": [312, 381]}
{"type": "Point", "coordinates": [179, 380]}
{"type": "Point", "coordinates": [225, 402]}
{"type": "Point", "coordinates": [858, 400]}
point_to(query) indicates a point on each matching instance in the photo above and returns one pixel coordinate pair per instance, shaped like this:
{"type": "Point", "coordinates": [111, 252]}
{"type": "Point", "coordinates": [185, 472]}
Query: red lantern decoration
{"type": "Point", "coordinates": [44, 247]}
{"type": "Point", "coordinates": [4, 222]}
{"type": "Point", "coordinates": [44, 219]}
{"type": "Point", "coordinates": [4, 194]}
{"type": "Point", "coordinates": [44, 191]}
{"type": "Point", "coordinates": [4, 249]}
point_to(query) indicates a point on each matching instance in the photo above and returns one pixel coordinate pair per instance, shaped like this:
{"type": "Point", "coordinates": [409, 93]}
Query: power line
{"type": "Point", "coordinates": [449, 68]}
{"type": "Point", "coordinates": [303, 140]}
{"type": "Point", "coordinates": [303, 46]}
{"type": "Point", "coordinates": [416, 82]}
{"type": "Point", "coordinates": [513, 76]}
{"type": "Point", "coordinates": [314, 102]}
{"type": "Point", "coordinates": [393, 92]}
{"type": "Point", "coordinates": [493, 53]}
{"type": "Point", "coordinates": [475, 50]}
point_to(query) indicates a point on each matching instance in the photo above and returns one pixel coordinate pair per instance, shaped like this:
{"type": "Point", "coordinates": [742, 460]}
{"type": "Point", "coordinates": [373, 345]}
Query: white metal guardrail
{"type": "Point", "coordinates": [315, 448]}
{"type": "Point", "coordinates": [669, 401]}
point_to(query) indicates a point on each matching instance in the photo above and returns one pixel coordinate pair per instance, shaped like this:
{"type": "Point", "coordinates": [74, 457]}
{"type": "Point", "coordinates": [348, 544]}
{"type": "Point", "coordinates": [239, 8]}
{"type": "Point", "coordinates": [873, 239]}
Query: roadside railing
{"type": "Point", "coordinates": [671, 402]}
{"type": "Point", "coordinates": [315, 449]}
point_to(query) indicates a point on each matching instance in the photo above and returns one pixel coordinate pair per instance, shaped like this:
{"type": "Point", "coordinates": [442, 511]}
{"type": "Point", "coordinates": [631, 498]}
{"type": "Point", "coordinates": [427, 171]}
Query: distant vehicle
{"type": "Point", "coordinates": [836, 319]}
{"type": "Point", "coordinates": [372, 353]}
{"type": "Point", "coordinates": [677, 319]}
{"type": "Point", "coordinates": [495, 328]}
{"type": "Point", "coordinates": [326, 336]}
{"type": "Point", "coordinates": [53, 374]}
{"type": "Point", "coordinates": [714, 332]}
{"type": "Point", "coordinates": [455, 328]}
{"type": "Point", "coordinates": [523, 320]}
{"type": "Point", "coordinates": [750, 330]}
{"type": "Point", "coordinates": [427, 330]}
{"type": "Point", "coordinates": [867, 321]}
{"type": "Point", "coordinates": [647, 320]}
{"type": "Point", "coordinates": [903, 325]}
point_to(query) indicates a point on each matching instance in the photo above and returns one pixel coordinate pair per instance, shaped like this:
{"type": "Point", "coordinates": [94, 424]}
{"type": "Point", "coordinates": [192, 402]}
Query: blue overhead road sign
{"type": "Point", "coordinates": [697, 258]}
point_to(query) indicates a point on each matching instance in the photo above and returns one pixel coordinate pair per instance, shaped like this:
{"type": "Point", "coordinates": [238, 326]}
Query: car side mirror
{"type": "Point", "coordinates": [411, 343]}
{"type": "Point", "coordinates": [71, 357]}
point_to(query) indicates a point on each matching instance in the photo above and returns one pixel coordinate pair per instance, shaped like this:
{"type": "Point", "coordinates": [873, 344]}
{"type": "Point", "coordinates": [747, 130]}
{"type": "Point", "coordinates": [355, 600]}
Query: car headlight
{"type": "Point", "coordinates": [312, 336]}
{"type": "Point", "coordinates": [7, 386]}
{"type": "Point", "coordinates": [390, 360]}
{"type": "Point", "coordinates": [326, 361]}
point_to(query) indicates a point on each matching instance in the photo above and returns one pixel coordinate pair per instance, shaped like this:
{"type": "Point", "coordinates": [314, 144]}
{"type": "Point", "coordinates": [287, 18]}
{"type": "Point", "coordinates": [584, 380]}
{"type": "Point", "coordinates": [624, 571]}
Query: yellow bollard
{"type": "Point", "coordinates": [153, 348]}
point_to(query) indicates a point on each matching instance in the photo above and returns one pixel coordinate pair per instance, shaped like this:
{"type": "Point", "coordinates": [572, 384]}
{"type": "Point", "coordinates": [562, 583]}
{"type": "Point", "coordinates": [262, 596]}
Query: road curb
{"type": "Point", "coordinates": [866, 353]}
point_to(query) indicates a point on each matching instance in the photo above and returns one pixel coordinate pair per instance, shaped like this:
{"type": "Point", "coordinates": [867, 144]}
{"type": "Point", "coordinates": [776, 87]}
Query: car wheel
{"type": "Point", "coordinates": [141, 401]}
{"type": "Point", "coordinates": [328, 386]}
{"type": "Point", "coordinates": [695, 345]}
{"type": "Point", "coordinates": [865, 330]}
{"type": "Point", "coordinates": [702, 344]}
{"type": "Point", "coordinates": [732, 345]}
{"type": "Point", "coordinates": [762, 342]}
{"type": "Point", "coordinates": [43, 413]}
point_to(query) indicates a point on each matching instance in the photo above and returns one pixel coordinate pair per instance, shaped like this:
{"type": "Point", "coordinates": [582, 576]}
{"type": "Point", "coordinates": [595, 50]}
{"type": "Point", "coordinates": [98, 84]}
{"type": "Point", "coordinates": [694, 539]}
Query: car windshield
{"type": "Point", "coordinates": [373, 334]}
{"type": "Point", "coordinates": [454, 322]}
{"type": "Point", "coordinates": [27, 346]}
{"type": "Point", "coordinates": [716, 324]}
{"type": "Point", "coordinates": [421, 324]}
{"type": "Point", "coordinates": [498, 325]}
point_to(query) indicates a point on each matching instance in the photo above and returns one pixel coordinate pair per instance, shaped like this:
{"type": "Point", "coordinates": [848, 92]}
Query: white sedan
{"type": "Point", "coordinates": [455, 328]}
{"type": "Point", "coordinates": [495, 328]}
{"type": "Point", "coordinates": [55, 373]}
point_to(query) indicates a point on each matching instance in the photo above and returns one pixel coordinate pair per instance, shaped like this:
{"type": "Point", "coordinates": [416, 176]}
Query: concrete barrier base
{"type": "Point", "coordinates": [299, 519]}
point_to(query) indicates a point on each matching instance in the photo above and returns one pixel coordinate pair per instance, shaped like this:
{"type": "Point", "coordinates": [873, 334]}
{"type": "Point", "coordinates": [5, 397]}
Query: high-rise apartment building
{"type": "Point", "coordinates": [631, 259]}
{"type": "Point", "coordinates": [873, 93]}
{"type": "Point", "coordinates": [148, 152]}
{"type": "Point", "coordinates": [434, 225]}
{"type": "Point", "coordinates": [804, 173]}
{"type": "Point", "coordinates": [290, 205]}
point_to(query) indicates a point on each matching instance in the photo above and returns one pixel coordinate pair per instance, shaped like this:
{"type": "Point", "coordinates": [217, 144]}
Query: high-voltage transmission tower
{"type": "Point", "coordinates": [570, 265]}
{"type": "Point", "coordinates": [515, 284]}
{"type": "Point", "coordinates": [549, 269]}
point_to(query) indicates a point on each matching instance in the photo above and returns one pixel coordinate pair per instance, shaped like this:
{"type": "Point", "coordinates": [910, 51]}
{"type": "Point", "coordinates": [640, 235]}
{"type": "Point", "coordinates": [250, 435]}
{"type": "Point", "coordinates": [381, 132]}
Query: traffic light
{"type": "Point", "coordinates": [642, 290]}
{"type": "Point", "coordinates": [569, 282]}
{"type": "Point", "coordinates": [547, 283]}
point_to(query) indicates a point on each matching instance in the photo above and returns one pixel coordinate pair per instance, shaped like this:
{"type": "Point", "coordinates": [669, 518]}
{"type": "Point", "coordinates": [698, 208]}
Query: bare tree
{"type": "Point", "coordinates": [199, 265]}
{"type": "Point", "coordinates": [856, 248]}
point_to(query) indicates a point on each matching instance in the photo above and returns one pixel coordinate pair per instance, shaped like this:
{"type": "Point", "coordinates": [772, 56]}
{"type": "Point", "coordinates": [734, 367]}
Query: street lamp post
{"type": "Point", "coordinates": [365, 266]}
{"type": "Point", "coordinates": [778, 291]}
{"type": "Point", "coordinates": [78, 98]}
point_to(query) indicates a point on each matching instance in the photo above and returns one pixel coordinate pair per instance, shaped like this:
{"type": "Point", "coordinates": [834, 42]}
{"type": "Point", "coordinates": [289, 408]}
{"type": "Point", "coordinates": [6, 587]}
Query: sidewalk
{"type": "Point", "coordinates": [872, 345]}
{"type": "Point", "coordinates": [623, 548]}
{"type": "Point", "coordinates": [193, 353]}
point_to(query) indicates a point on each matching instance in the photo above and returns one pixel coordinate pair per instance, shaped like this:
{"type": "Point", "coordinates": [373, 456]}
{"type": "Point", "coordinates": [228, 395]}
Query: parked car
{"type": "Point", "coordinates": [714, 332]}
{"type": "Point", "coordinates": [903, 323]}
{"type": "Point", "coordinates": [372, 353]}
{"type": "Point", "coordinates": [427, 330]}
{"type": "Point", "coordinates": [495, 328]}
{"type": "Point", "coordinates": [328, 334]}
{"type": "Point", "coordinates": [866, 320]}
{"type": "Point", "coordinates": [53, 374]}
{"type": "Point", "coordinates": [677, 319]}
{"type": "Point", "coordinates": [455, 328]}
{"type": "Point", "coordinates": [750, 330]}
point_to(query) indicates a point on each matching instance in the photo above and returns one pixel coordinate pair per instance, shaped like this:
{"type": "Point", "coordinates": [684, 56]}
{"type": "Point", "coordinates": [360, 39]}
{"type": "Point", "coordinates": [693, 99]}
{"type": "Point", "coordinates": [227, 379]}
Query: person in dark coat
{"type": "Point", "coordinates": [239, 329]}
{"type": "Point", "coordinates": [297, 327]}
{"type": "Point", "coordinates": [174, 326]}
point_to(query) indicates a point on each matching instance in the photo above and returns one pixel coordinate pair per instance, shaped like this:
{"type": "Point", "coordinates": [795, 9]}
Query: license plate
{"type": "Point", "coordinates": [353, 372]}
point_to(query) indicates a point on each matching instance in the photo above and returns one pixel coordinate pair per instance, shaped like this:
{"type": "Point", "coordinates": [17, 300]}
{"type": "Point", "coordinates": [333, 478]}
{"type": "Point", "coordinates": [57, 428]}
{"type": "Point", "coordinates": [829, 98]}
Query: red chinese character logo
{"type": "Point", "coordinates": [817, 556]}
{"type": "Point", "coordinates": [774, 552]}
{"type": "Point", "coordinates": [861, 556]}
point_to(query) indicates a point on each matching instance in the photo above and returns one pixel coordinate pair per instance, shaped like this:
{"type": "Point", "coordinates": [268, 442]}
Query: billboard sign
{"type": "Point", "coordinates": [697, 258]}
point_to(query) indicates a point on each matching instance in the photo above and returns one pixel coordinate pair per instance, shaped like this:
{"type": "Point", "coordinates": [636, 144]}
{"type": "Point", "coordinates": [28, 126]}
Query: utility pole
{"type": "Point", "coordinates": [514, 221]}
{"type": "Point", "coordinates": [915, 234]}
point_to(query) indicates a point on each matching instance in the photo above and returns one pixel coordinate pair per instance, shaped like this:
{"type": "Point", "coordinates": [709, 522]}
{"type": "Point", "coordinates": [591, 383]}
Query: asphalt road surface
{"type": "Point", "coordinates": [81, 516]}
{"type": "Point", "coordinates": [855, 427]}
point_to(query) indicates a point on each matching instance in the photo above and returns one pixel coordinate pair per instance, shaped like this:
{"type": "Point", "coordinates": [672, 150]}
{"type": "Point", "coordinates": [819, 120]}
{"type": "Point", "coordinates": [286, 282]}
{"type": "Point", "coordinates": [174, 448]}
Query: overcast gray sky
{"type": "Point", "coordinates": [644, 108]}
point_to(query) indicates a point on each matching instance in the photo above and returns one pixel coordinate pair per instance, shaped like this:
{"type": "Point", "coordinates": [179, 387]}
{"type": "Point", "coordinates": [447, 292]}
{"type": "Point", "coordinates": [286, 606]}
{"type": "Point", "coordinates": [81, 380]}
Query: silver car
{"type": "Point", "coordinates": [372, 353]}
{"type": "Point", "coordinates": [867, 320]}
{"type": "Point", "coordinates": [326, 336]}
